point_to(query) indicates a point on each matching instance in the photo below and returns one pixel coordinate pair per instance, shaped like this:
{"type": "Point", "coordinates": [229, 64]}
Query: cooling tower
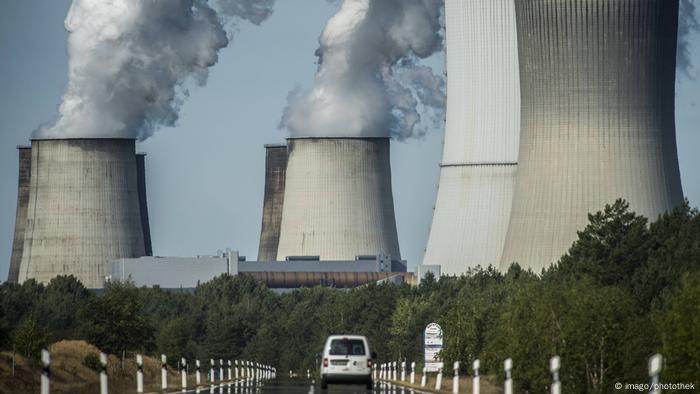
{"type": "Point", "coordinates": [83, 209]}
{"type": "Point", "coordinates": [275, 170]}
{"type": "Point", "coordinates": [338, 202]}
{"type": "Point", "coordinates": [597, 81]}
{"type": "Point", "coordinates": [480, 151]}
{"type": "Point", "coordinates": [25, 162]}
{"type": "Point", "coordinates": [143, 202]}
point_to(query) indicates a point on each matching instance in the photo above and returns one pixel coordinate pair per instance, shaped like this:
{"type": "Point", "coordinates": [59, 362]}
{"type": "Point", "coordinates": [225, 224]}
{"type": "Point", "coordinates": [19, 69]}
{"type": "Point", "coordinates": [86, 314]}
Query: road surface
{"type": "Point", "coordinates": [299, 386]}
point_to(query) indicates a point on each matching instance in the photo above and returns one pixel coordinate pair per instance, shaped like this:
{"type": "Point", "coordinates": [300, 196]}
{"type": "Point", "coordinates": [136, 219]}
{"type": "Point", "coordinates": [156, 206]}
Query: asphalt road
{"type": "Point", "coordinates": [300, 386]}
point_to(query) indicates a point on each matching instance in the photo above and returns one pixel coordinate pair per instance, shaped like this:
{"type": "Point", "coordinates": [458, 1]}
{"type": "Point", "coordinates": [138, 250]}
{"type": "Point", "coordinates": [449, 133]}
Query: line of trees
{"type": "Point", "coordinates": [625, 290]}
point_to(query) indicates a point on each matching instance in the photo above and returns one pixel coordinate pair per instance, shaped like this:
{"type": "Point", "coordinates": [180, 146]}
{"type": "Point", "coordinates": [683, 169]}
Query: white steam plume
{"type": "Point", "coordinates": [130, 62]}
{"type": "Point", "coordinates": [687, 24]}
{"type": "Point", "coordinates": [368, 82]}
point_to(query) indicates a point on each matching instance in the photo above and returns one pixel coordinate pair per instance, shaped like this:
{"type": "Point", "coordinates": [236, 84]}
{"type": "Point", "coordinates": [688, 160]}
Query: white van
{"type": "Point", "coordinates": [346, 359]}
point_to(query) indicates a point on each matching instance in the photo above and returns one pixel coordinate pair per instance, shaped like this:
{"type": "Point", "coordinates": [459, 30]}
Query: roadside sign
{"type": "Point", "coordinates": [432, 340]}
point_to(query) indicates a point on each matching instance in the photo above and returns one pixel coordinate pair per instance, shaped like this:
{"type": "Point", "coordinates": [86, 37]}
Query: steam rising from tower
{"type": "Point", "coordinates": [130, 62]}
{"type": "Point", "coordinates": [597, 118]}
{"type": "Point", "coordinates": [368, 83]}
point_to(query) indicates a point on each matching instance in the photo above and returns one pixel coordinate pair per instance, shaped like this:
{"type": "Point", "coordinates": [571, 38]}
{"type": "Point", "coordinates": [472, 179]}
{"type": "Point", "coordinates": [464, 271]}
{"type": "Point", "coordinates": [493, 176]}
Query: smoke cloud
{"type": "Point", "coordinates": [687, 24]}
{"type": "Point", "coordinates": [130, 61]}
{"type": "Point", "coordinates": [369, 82]}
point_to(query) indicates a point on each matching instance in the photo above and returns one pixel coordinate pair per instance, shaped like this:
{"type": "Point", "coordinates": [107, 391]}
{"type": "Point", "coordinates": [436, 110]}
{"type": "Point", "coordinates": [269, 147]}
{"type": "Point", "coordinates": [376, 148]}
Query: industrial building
{"type": "Point", "coordinates": [597, 81]}
{"type": "Point", "coordinates": [273, 203]}
{"type": "Point", "coordinates": [85, 208]}
{"type": "Point", "coordinates": [480, 149]}
{"type": "Point", "coordinates": [302, 271]}
{"type": "Point", "coordinates": [338, 200]}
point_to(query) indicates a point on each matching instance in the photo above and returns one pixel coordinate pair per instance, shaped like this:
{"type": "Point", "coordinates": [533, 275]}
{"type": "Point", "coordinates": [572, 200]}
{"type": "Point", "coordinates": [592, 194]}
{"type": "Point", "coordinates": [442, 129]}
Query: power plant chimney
{"type": "Point", "coordinates": [25, 163]}
{"type": "Point", "coordinates": [83, 209]}
{"type": "Point", "coordinates": [480, 151]}
{"type": "Point", "coordinates": [597, 81]}
{"type": "Point", "coordinates": [338, 201]}
{"type": "Point", "coordinates": [275, 173]}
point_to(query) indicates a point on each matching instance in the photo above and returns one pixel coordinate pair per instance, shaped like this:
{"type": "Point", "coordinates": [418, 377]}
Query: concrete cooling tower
{"type": "Point", "coordinates": [477, 174]}
{"type": "Point", "coordinates": [83, 209]}
{"type": "Point", "coordinates": [25, 165]}
{"type": "Point", "coordinates": [275, 172]}
{"type": "Point", "coordinates": [597, 81]}
{"type": "Point", "coordinates": [338, 202]}
{"type": "Point", "coordinates": [143, 202]}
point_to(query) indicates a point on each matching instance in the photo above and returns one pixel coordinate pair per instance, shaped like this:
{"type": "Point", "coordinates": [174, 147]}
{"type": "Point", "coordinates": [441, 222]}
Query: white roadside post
{"type": "Point", "coordinates": [423, 378]}
{"type": "Point", "coordinates": [230, 372]}
{"type": "Point", "coordinates": [139, 373]}
{"type": "Point", "coordinates": [508, 367]}
{"type": "Point", "coordinates": [163, 371]}
{"type": "Point", "coordinates": [46, 371]}
{"type": "Point", "coordinates": [477, 380]}
{"type": "Point", "coordinates": [438, 381]}
{"type": "Point", "coordinates": [655, 365]}
{"type": "Point", "coordinates": [211, 370]}
{"type": "Point", "coordinates": [394, 369]}
{"type": "Point", "coordinates": [183, 373]}
{"type": "Point", "coordinates": [403, 371]}
{"type": "Point", "coordinates": [103, 374]}
{"type": "Point", "coordinates": [413, 372]}
{"type": "Point", "coordinates": [554, 365]}
{"type": "Point", "coordinates": [236, 368]}
{"type": "Point", "coordinates": [197, 376]}
{"type": "Point", "coordinates": [221, 370]}
{"type": "Point", "coordinates": [455, 379]}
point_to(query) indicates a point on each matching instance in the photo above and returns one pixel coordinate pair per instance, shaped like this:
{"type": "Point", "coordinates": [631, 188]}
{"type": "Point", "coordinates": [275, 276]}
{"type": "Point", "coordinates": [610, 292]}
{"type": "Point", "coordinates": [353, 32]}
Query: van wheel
{"type": "Point", "coordinates": [324, 384]}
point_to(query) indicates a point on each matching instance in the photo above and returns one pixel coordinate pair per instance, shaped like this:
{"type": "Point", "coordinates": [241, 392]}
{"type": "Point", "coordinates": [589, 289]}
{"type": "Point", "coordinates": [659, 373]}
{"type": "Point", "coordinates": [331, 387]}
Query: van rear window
{"type": "Point", "coordinates": [347, 347]}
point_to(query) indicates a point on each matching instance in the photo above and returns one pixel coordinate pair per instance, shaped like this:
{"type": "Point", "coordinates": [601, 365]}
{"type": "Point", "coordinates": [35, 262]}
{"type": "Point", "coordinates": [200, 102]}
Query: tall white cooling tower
{"type": "Point", "coordinates": [83, 209]}
{"type": "Point", "coordinates": [477, 175]}
{"type": "Point", "coordinates": [598, 80]}
{"type": "Point", "coordinates": [338, 201]}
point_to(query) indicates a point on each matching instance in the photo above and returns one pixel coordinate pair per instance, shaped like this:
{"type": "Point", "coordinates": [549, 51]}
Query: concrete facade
{"type": "Point", "coordinates": [143, 202]}
{"type": "Point", "coordinates": [598, 80]}
{"type": "Point", "coordinates": [25, 165]}
{"type": "Point", "coordinates": [480, 151]}
{"type": "Point", "coordinates": [83, 209]}
{"type": "Point", "coordinates": [275, 174]}
{"type": "Point", "coordinates": [338, 200]}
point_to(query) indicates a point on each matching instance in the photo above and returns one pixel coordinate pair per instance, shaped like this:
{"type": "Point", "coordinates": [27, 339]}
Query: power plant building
{"type": "Point", "coordinates": [275, 170]}
{"type": "Point", "coordinates": [597, 80]}
{"type": "Point", "coordinates": [84, 209]}
{"type": "Point", "coordinates": [480, 150]}
{"type": "Point", "coordinates": [25, 165]}
{"type": "Point", "coordinates": [338, 200]}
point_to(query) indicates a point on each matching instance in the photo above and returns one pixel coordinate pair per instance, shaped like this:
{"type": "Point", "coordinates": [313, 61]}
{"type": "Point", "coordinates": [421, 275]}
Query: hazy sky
{"type": "Point", "coordinates": [206, 175]}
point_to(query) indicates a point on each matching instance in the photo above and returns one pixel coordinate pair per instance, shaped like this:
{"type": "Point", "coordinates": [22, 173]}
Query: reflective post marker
{"type": "Point", "coordinates": [508, 366]}
{"type": "Point", "coordinates": [655, 365]}
{"type": "Point", "coordinates": [423, 379]}
{"type": "Point", "coordinates": [476, 381]}
{"type": "Point", "coordinates": [197, 376]}
{"type": "Point", "coordinates": [455, 379]}
{"type": "Point", "coordinates": [46, 371]}
{"type": "Point", "coordinates": [103, 374]}
{"type": "Point", "coordinates": [413, 372]}
{"type": "Point", "coordinates": [554, 365]}
{"type": "Point", "coordinates": [163, 372]}
{"type": "Point", "coordinates": [438, 381]}
{"type": "Point", "coordinates": [139, 373]}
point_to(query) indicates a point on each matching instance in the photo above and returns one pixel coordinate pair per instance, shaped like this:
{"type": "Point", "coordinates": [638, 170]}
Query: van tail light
{"type": "Point", "coordinates": [369, 363]}
{"type": "Point", "coordinates": [325, 363]}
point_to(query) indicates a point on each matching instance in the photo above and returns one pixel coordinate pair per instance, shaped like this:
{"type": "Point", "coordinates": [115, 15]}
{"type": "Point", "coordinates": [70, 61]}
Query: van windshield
{"type": "Point", "coordinates": [347, 347]}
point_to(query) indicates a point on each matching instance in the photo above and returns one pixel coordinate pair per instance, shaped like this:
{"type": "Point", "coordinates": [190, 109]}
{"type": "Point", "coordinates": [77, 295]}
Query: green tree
{"type": "Point", "coordinates": [679, 326]}
{"type": "Point", "coordinates": [114, 321]}
{"type": "Point", "coordinates": [30, 337]}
